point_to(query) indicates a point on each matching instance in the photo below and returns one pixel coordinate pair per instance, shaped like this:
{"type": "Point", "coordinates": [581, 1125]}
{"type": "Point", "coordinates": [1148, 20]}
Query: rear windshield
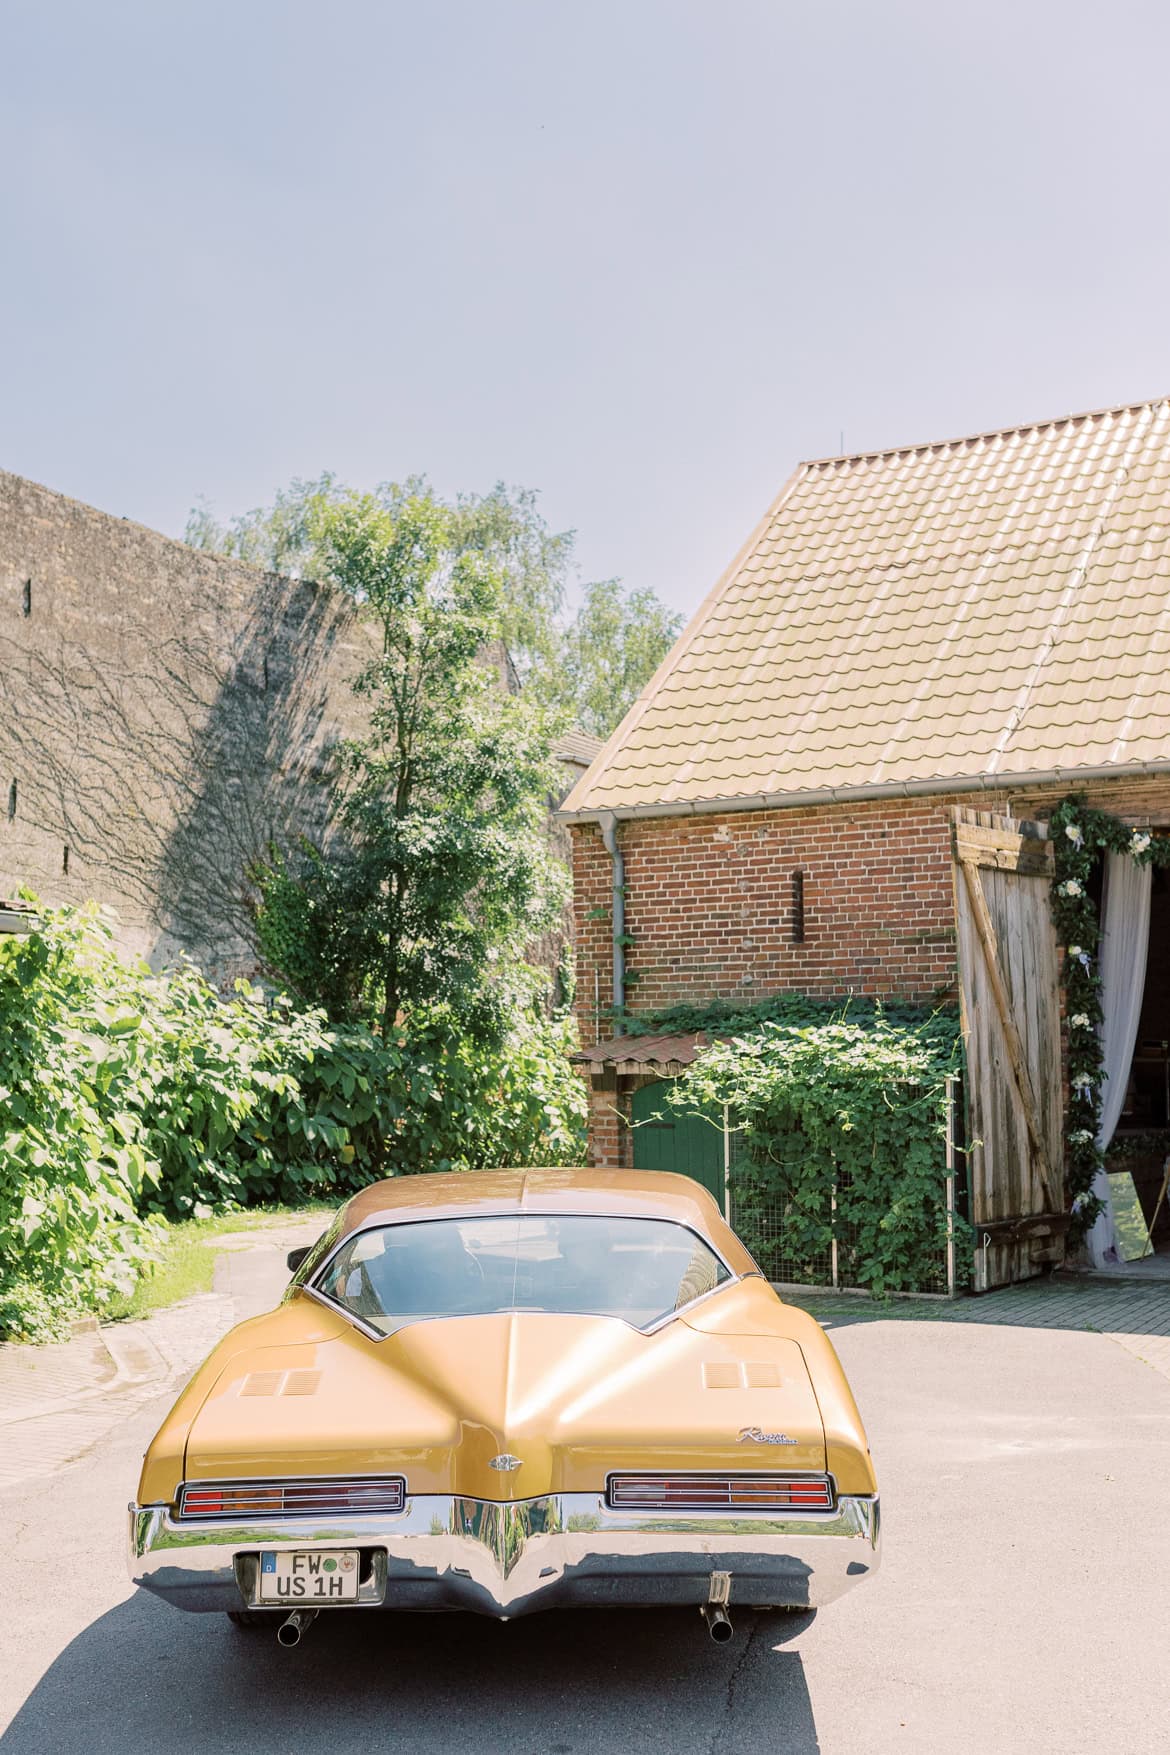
{"type": "Point", "coordinates": [637, 1269]}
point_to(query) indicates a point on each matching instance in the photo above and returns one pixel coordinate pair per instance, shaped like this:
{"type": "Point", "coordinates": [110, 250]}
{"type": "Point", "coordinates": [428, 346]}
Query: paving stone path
{"type": "Point", "coordinates": [58, 1402]}
{"type": "Point", "coordinates": [1136, 1317]}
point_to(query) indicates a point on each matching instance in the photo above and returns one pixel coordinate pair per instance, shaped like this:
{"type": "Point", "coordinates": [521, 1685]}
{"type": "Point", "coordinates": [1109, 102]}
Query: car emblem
{"type": "Point", "coordinates": [753, 1435]}
{"type": "Point", "coordinates": [504, 1465]}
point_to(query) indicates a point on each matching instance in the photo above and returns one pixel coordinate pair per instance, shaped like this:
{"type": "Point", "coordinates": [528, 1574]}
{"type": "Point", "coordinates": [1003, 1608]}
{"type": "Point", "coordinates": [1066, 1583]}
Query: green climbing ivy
{"type": "Point", "coordinates": [854, 1105]}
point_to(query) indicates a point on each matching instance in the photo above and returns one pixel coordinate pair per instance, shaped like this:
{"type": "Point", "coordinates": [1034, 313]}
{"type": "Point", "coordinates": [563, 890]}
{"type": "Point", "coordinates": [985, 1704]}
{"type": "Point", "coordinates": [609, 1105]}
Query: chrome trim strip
{"type": "Point", "coordinates": [507, 1559]}
{"type": "Point", "coordinates": [426, 1218]}
{"type": "Point", "coordinates": [359, 1322]}
{"type": "Point", "coordinates": [652, 1328]}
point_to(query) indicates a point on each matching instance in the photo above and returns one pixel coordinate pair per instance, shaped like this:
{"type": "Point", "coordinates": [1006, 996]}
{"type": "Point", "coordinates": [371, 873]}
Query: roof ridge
{"type": "Point", "coordinates": [1023, 426]}
{"type": "Point", "coordinates": [858, 617]}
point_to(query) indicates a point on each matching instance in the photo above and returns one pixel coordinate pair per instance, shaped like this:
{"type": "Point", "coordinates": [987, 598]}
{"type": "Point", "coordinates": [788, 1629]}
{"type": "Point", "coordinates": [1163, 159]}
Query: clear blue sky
{"type": "Point", "coordinates": [642, 256]}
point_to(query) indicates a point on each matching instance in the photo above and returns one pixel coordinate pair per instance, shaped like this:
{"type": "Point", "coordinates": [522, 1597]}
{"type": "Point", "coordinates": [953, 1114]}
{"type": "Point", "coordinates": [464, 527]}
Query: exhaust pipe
{"type": "Point", "coordinates": [715, 1608]}
{"type": "Point", "coordinates": [289, 1632]}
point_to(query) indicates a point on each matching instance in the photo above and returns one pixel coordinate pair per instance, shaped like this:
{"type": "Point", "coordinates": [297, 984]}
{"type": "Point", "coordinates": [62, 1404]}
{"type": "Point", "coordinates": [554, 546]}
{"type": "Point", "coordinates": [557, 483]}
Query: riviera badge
{"type": "Point", "coordinates": [753, 1435]}
{"type": "Point", "coordinates": [504, 1465]}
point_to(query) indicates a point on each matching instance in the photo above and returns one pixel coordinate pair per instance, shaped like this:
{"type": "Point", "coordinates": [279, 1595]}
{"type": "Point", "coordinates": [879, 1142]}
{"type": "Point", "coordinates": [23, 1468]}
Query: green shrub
{"type": "Point", "coordinates": [128, 1098]}
{"type": "Point", "coordinates": [73, 1169]}
{"type": "Point", "coordinates": [855, 1107]}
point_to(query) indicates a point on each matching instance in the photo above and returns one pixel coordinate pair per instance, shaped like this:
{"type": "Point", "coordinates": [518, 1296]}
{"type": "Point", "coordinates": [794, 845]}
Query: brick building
{"type": "Point", "coordinates": [841, 771]}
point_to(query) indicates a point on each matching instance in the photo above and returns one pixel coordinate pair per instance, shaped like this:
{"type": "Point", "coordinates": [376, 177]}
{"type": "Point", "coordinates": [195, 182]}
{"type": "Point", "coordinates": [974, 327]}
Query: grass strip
{"type": "Point", "coordinates": [187, 1259]}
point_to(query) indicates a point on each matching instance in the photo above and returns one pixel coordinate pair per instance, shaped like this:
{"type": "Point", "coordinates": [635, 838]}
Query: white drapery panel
{"type": "Point", "coordinates": [1125, 940]}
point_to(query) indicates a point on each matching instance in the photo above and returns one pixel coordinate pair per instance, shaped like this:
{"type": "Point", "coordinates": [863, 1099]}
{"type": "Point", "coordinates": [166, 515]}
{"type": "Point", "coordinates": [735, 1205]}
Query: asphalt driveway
{"type": "Point", "coordinates": [1024, 1601]}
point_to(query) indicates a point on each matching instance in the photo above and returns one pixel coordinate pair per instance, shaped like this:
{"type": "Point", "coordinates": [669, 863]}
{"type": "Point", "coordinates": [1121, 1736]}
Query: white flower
{"type": "Point", "coordinates": [1075, 951]}
{"type": "Point", "coordinates": [1139, 842]}
{"type": "Point", "coordinates": [1072, 887]}
{"type": "Point", "coordinates": [1075, 833]}
{"type": "Point", "coordinates": [1081, 1021]}
{"type": "Point", "coordinates": [1084, 1085]}
{"type": "Point", "coordinates": [1081, 1137]}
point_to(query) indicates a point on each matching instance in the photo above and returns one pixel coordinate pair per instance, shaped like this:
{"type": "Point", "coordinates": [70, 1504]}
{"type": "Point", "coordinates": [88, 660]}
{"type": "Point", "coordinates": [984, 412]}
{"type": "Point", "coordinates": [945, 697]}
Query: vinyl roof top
{"type": "Point", "coordinates": [973, 610]}
{"type": "Point", "coordinates": [657, 1194]}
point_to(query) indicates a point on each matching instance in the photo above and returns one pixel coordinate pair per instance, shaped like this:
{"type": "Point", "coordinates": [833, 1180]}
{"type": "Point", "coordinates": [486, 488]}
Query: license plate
{"type": "Point", "coordinates": [326, 1576]}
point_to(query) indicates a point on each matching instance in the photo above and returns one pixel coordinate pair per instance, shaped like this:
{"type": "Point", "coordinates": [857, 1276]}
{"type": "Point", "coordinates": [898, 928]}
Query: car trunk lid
{"type": "Point", "coordinates": [512, 1406]}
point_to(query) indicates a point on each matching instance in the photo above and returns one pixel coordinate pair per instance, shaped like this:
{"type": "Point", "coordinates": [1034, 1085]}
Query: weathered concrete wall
{"type": "Point", "coordinates": [164, 716]}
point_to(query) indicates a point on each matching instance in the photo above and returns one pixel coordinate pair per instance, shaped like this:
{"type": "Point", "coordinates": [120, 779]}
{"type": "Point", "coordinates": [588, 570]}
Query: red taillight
{"type": "Point", "coordinates": [200, 1504]}
{"type": "Point", "coordinates": [325, 1496]}
{"type": "Point", "coordinates": [720, 1492]}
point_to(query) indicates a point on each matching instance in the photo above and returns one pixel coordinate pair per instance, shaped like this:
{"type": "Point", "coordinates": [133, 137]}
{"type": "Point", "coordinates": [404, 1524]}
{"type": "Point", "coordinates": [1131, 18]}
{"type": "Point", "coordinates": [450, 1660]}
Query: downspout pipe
{"type": "Point", "coordinates": [608, 823]}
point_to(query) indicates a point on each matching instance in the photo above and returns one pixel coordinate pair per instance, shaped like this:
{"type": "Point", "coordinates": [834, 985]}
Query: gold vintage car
{"type": "Point", "coordinates": [511, 1391]}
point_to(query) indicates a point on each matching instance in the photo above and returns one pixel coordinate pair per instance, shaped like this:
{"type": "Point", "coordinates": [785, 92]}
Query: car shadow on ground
{"type": "Point", "coordinates": [145, 1679]}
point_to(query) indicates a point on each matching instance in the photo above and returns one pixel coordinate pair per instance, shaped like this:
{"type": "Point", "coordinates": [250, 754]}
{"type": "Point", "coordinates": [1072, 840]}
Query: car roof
{"type": "Point", "coordinates": [648, 1194]}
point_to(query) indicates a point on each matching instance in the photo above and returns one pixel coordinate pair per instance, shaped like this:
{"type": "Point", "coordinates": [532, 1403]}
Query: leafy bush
{"type": "Point", "coordinates": [852, 1107]}
{"type": "Point", "coordinates": [726, 1017]}
{"type": "Point", "coordinates": [73, 1171]}
{"type": "Point", "coordinates": [126, 1098]}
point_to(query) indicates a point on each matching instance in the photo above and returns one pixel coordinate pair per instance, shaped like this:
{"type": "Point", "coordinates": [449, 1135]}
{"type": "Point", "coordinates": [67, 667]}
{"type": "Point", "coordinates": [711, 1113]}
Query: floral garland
{"type": "Point", "coordinates": [1079, 836]}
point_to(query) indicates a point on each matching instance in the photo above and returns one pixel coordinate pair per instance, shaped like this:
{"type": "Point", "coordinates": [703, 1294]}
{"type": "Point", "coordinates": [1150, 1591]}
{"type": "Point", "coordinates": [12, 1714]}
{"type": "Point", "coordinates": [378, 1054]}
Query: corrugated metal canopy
{"type": "Point", "coordinates": [668, 1054]}
{"type": "Point", "coordinates": [988, 607]}
{"type": "Point", "coordinates": [18, 917]}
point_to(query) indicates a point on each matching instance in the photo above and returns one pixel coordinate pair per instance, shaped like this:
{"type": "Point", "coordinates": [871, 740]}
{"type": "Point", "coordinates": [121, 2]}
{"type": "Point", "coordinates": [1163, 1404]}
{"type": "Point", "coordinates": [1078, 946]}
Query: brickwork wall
{"type": "Point", "coordinates": [609, 1133]}
{"type": "Point", "coordinates": [592, 932]}
{"type": "Point", "coordinates": [709, 904]}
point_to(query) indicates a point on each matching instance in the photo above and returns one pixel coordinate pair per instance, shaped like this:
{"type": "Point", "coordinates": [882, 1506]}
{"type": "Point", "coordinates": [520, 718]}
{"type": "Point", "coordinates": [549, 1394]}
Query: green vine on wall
{"type": "Point", "coordinates": [1080, 836]}
{"type": "Point", "coordinates": [842, 1124]}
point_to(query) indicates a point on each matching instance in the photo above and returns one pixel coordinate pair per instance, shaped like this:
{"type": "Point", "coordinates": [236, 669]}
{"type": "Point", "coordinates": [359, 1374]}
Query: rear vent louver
{"type": "Point", "coordinates": [721, 1375]}
{"type": "Point", "coordinates": [720, 1493]}
{"type": "Point", "coordinates": [281, 1383]}
{"type": "Point", "coordinates": [324, 1496]}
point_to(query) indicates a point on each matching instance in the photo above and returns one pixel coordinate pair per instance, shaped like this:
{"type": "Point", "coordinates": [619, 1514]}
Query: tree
{"type": "Point", "coordinates": [504, 527]}
{"type": "Point", "coordinates": [611, 649]}
{"type": "Point", "coordinates": [439, 873]}
{"type": "Point", "coordinates": [277, 537]}
{"type": "Point", "coordinates": [592, 666]}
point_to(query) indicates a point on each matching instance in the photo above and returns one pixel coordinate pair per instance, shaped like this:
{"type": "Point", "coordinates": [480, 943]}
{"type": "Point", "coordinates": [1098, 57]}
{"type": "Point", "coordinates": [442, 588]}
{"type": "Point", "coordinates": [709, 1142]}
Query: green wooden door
{"type": "Point", "coordinates": [692, 1145]}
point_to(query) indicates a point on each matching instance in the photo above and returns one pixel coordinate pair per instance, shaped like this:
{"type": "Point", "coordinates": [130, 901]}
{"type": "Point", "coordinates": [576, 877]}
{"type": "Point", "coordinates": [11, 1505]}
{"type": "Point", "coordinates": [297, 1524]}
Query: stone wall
{"type": "Point", "coordinates": [164, 716]}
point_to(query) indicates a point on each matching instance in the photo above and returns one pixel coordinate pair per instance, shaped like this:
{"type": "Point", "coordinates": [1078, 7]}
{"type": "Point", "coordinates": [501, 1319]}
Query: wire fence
{"type": "Point", "coordinates": [821, 1241]}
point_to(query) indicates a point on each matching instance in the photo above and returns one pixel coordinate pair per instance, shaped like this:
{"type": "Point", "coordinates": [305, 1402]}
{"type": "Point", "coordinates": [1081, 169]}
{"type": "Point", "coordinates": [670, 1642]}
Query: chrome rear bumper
{"type": "Point", "coordinates": [565, 1551]}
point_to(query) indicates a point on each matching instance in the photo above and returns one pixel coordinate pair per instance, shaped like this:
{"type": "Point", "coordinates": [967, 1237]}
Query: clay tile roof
{"type": "Point", "coordinates": [577, 746]}
{"type": "Point", "coordinates": [974, 611]}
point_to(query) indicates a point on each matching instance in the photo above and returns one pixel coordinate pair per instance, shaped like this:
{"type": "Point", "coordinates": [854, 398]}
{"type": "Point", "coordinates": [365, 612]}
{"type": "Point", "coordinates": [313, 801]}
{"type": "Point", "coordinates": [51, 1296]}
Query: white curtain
{"type": "Point", "coordinates": [1125, 938]}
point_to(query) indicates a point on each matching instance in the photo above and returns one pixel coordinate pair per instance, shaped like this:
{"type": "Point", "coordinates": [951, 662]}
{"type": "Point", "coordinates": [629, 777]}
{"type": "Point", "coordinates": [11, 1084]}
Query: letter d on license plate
{"type": "Point", "coordinates": [326, 1576]}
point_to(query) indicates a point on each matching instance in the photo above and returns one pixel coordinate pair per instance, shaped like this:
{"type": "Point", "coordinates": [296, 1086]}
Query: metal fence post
{"type": "Point", "coordinates": [726, 1165]}
{"type": "Point", "coordinates": [833, 1226]}
{"type": "Point", "coordinates": [951, 1187]}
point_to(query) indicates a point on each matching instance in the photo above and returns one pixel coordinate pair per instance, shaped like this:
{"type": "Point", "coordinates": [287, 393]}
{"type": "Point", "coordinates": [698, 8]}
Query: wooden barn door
{"type": "Point", "coordinates": [1009, 987]}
